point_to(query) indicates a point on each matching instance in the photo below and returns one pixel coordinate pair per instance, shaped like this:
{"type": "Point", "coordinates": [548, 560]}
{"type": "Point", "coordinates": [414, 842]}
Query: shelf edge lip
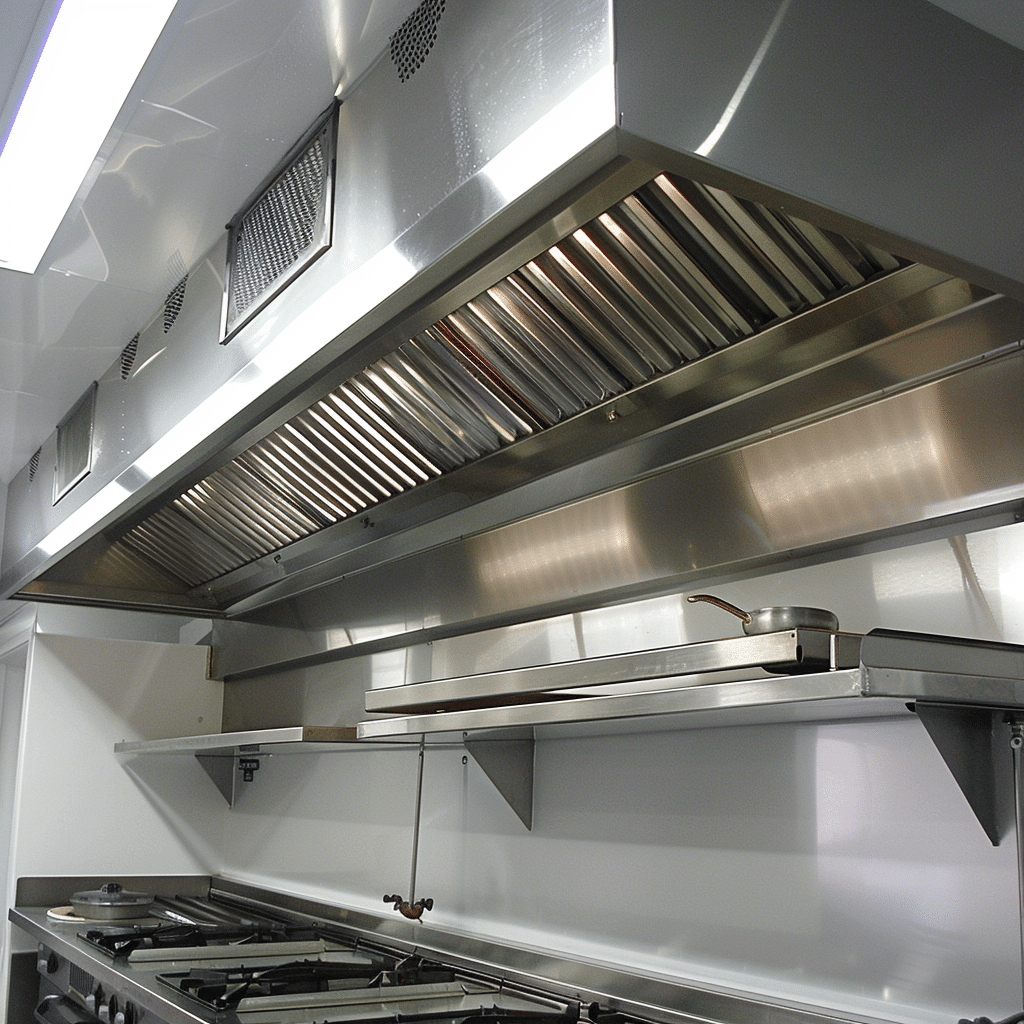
{"type": "Point", "coordinates": [249, 741]}
{"type": "Point", "coordinates": [843, 684]}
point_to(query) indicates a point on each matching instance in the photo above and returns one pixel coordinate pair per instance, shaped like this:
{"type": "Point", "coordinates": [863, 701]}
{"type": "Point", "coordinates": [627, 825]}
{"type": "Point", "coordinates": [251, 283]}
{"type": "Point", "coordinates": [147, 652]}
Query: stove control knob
{"type": "Point", "coordinates": [48, 964]}
{"type": "Point", "coordinates": [113, 1009]}
{"type": "Point", "coordinates": [131, 1014]}
{"type": "Point", "coordinates": [94, 998]}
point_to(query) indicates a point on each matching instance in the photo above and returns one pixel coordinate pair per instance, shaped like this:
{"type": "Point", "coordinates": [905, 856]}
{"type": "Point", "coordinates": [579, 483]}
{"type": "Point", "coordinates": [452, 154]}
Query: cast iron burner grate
{"type": "Point", "coordinates": [123, 941]}
{"type": "Point", "coordinates": [224, 988]}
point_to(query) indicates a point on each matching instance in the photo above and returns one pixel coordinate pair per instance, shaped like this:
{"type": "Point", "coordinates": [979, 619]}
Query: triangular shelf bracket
{"type": "Point", "coordinates": [221, 768]}
{"type": "Point", "coordinates": [975, 744]}
{"type": "Point", "coordinates": [506, 756]}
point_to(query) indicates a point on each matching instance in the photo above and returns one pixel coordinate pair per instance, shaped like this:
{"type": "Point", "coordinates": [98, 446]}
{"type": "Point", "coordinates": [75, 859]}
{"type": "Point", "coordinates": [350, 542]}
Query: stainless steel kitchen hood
{"type": "Point", "coordinates": [574, 340]}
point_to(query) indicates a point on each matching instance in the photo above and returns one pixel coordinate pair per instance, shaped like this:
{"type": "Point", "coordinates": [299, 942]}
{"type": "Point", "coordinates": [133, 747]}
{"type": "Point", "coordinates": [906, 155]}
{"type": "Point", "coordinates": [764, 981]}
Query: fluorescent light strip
{"type": "Point", "coordinates": [94, 53]}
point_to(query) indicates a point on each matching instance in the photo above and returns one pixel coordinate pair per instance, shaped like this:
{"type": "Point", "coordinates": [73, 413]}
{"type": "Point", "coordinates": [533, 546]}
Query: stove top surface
{"type": "Point", "coordinates": [232, 957]}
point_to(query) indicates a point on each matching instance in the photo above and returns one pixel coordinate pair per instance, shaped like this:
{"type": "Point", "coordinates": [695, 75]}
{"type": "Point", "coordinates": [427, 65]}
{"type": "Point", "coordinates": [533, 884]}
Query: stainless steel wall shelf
{"type": "Point", "coordinates": [225, 755]}
{"type": "Point", "coordinates": [969, 695]}
{"type": "Point", "coordinates": [296, 739]}
{"type": "Point", "coordinates": [786, 651]}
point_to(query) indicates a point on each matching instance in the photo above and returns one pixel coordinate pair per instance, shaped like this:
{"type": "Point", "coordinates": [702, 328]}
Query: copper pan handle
{"type": "Point", "coordinates": [740, 614]}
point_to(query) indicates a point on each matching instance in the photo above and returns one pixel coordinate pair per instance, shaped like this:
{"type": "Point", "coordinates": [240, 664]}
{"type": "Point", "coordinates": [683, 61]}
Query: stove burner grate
{"type": "Point", "coordinates": [122, 941]}
{"type": "Point", "coordinates": [224, 988]}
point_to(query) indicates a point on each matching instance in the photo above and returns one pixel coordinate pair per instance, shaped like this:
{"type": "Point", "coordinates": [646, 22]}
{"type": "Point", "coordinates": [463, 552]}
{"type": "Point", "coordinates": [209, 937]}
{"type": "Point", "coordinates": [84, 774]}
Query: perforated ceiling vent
{"type": "Point", "coordinates": [131, 350]}
{"type": "Point", "coordinates": [282, 231]}
{"type": "Point", "coordinates": [416, 37]}
{"type": "Point", "coordinates": [173, 303]}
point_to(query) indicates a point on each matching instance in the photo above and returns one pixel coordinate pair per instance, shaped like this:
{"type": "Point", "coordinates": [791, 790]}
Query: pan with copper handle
{"type": "Point", "coordinates": [774, 619]}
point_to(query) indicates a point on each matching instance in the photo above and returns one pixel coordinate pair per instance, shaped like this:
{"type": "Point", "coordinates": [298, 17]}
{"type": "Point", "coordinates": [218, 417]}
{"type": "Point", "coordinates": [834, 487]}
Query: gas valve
{"type": "Point", "coordinates": [413, 911]}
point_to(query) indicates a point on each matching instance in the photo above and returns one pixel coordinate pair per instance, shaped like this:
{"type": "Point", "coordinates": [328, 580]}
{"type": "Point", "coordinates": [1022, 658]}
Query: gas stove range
{"type": "Point", "coordinates": [204, 960]}
{"type": "Point", "coordinates": [266, 957]}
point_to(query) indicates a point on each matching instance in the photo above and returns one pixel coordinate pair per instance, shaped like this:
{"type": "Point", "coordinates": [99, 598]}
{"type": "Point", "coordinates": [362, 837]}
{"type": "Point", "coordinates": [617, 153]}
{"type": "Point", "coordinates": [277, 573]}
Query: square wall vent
{"type": "Point", "coordinates": [283, 229]}
{"type": "Point", "coordinates": [74, 444]}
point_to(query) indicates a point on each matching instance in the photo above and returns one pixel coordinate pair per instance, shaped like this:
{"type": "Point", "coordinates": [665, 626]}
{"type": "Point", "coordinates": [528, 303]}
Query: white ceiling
{"type": "Point", "coordinates": [230, 87]}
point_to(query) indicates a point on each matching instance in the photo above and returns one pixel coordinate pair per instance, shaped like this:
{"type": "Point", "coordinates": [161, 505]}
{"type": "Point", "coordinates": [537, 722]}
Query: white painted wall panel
{"type": "Point", "coordinates": [84, 810]}
{"type": "Point", "coordinates": [12, 680]}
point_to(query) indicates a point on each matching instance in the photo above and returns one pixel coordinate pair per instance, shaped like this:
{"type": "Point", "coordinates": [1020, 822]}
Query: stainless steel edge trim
{"type": "Point", "coordinates": [283, 739]}
{"type": "Point", "coordinates": [745, 693]}
{"type": "Point", "coordinates": [948, 688]}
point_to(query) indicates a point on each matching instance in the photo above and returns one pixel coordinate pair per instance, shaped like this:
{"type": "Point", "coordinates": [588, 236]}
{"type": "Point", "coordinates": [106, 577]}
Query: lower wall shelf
{"type": "Point", "coordinates": [224, 755]}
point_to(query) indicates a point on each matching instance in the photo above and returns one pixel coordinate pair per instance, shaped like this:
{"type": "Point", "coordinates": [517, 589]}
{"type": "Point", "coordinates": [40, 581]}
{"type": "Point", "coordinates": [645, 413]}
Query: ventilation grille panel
{"type": "Point", "coordinates": [673, 272]}
{"type": "Point", "coordinates": [33, 464]}
{"type": "Point", "coordinates": [173, 303]}
{"type": "Point", "coordinates": [74, 444]}
{"type": "Point", "coordinates": [415, 38]}
{"type": "Point", "coordinates": [130, 351]}
{"type": "Point", "coordinates": [282, 232]}
{"type": "Point", "coordinates": [80, 981]}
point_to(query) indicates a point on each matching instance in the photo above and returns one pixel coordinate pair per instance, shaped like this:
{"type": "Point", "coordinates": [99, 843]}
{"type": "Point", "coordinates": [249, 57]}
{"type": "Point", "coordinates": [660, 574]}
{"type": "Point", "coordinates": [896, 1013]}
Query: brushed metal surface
{"type": "Point", "coordinates": [480, 176]}
{"type": "Point", "coordinates": [895, 649]}
{"type": "Point", "coordinates": [811, 648]}
{"type": "Point", "coordinates": [946, 687]}
{"type": "Point", "coordinates": [919, 456]}
{"type": "Point", "coordinates": [605, 309]}
{"type": "Point", "coordinates": [663, 999]}
{"type": "Point", "coordinates": [666, 1000]}
{"type": "Point", "coordinates": [294, 739]}
{"type": "Point", "coordinates": [852, 322]}
{"type": "Point", "coordinates": [712, 696]}
{"type": "Point", "coordinates": [830, 104]}
{"type": "Point", "coordinates": [975, 744]}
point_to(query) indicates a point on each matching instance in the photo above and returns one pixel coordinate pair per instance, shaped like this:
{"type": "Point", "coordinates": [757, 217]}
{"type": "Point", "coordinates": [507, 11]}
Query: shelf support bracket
{"type": "Point", "coordinates": [975, 744]}
{"type": "Point", "coordinates": [221, 769]}
{"type": "Point", "coordinates": [506, 756]}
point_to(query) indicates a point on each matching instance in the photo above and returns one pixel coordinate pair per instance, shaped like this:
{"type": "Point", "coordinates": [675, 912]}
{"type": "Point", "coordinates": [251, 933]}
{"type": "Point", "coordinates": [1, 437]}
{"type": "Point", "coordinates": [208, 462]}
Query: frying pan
{"type": "Point", "coordinates": [773, 619]}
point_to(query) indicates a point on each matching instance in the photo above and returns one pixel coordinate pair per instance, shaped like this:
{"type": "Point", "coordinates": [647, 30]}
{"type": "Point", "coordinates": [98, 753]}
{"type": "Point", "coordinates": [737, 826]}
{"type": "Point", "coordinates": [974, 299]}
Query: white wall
{"type": "Point", "coordinates": [81, 808]}
{"type": "Point", "coordinates": [68, 804]}
{"type": "Point", "coordinates": [12, 674]}
{"type": "Point", "coordinates": [833, 863]}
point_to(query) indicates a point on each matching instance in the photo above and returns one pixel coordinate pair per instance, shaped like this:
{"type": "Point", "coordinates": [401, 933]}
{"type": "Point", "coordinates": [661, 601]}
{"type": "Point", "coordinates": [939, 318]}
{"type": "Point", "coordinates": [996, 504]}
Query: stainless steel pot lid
{"type": "Point", "coordinates": [112, 894]}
